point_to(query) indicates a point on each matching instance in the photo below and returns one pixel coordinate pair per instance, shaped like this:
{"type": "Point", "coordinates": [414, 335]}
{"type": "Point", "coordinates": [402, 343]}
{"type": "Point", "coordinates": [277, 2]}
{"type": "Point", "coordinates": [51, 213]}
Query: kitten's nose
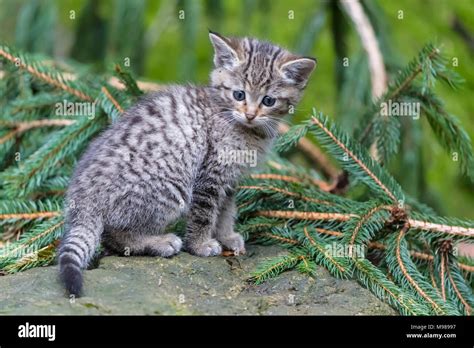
{"type": "Point", "coordinates": [250, 117]}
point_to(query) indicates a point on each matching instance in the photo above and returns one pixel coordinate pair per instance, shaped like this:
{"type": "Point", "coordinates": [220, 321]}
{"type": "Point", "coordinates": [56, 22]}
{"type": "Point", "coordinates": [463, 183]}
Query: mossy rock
{"type": "Point", "coordinates": [186, 284]}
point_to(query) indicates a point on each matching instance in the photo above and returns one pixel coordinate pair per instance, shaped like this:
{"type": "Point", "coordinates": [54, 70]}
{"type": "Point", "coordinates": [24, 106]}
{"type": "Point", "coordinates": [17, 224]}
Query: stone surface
{"type": "Point", "coordinates": [187, 285]}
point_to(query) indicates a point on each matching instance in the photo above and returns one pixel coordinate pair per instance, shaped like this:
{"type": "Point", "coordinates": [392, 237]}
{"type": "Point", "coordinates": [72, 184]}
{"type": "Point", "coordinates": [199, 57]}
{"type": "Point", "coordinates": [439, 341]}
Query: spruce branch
{"type": "Point", "coordinates": [276, 237]}
{"type": "Point", "coordinates": [274, 267]}
{"type": "Point", "coordinates": [386, 290]}
{"type": "Point", "coordinates": [20, 127]}
{"type": "Point", "coordinates": [260, 233]}
{"type": "Point", "coordinates": [42, 234]}
{"type": "Point", "coordinates": [21, 181]}
{"type": "Point", "coordinates": [37, 258]}
{"type": "Point", "coordinates": [353, 159]}
{"type": "Point", "coordinates": [369, 41]}
{"type": "Point", "coordinates": [457, 285]}
{"type": "Point", "coordinates": [304, 215]}
{"type": "Point", "coordinates": [38, 71]}
{"type": "Point", "coordinates": [270, 176]}
{"type": "Point", "coordinates": [381, 132]}
{"type": "Point", "coordinates": [291, 136]}
{"type": "Point", "coordinates": [442, 275]}
{"type": "Point", "coordinates": [14, 210]}
{"type": "Point", "coordinates": [362, 229]}
{"type": "Point", "coordinates": [321, 184]}
{"type": "Point", "coordinates": [442, 225]}
{"type": "Point", "coordinates": [448, 130]}
{"type": "Point", "coordinates": [407, 274]}
{"type": "Point", "coordinates": [285, 192]}
{"type": "Point", "coordinates": [128, 81]}
{"type": "Point", "coordinates": [420, 256]}
{"type": "Point", "coordinates": [112, 99]}
{"type": "Point", "coordinates": [339, 267]}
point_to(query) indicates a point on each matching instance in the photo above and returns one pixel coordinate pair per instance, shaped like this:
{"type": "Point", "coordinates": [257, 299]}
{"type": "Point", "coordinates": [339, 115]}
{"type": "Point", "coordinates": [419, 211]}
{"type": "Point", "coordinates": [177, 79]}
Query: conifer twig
{"type": "Point", "coordinates": [458, 293]}
{"type": "Point", "coordinates": [372, 245]}
{"type": "Point", "coordinates": [304, 215]}
{"type": "Point", "coordinates": [432, 275]}
{"type": "Point", "coordinates": [44, 77]}
{"type": "Point", "coordinates": [354, 158]}
{"type": "Point", "coordinates": [286, 192]}
{"type": "Point", "coordinates": [112, 99]}
{"type": "Point", "coordinates": [315, 154]}
{"type": "Point", "coordinates": [400, 236]}
{"type": "Point", "coordinates": [23, 126]}
{"type": "Point", "coordinates": [442, 276]}
{"type": "Point", "coordinates": [30, 241]}
{"type": "Point", "coordinates": [361, 223]}
{"type": "Point", "coordinates": [30, 216]}
{"type": "Point", "coordinates": [326, 254]}
{"type": "Point", "coordinates": [430, 226]}
{"type": "Point", "coordinates": [324, 186]}
{"type": "Point", "coordinates": [271, 176]}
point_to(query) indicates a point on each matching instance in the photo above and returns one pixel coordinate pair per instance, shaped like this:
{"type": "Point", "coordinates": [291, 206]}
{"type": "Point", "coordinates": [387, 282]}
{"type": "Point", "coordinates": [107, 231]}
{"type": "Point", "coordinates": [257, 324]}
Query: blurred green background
{"type": "Point", "coordinates": [167, 41]}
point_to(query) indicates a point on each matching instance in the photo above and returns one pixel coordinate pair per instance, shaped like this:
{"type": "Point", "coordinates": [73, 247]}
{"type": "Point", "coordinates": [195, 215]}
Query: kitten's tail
{"type": "Point", "coordinates": [76, 250]}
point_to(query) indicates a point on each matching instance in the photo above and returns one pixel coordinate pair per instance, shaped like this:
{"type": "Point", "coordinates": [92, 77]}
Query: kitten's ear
{"type": "Point", "coordinates": [298, 70]}
{"type": "Point", "coordinates": [225, 56]}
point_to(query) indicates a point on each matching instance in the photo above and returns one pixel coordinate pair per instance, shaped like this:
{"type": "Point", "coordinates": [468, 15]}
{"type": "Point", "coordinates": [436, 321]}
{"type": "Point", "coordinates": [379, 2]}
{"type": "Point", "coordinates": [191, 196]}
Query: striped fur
{"type": "Point", "coordinates": [161, 160]}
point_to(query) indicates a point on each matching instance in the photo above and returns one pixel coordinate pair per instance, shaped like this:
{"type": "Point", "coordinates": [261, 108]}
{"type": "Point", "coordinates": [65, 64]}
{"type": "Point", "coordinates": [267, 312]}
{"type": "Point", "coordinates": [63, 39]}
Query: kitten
{"type": "Point", "coordinates": [166, 158]}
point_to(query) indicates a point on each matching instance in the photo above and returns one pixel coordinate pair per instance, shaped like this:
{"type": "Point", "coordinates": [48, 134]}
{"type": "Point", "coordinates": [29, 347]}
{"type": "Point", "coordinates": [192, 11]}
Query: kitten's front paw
{"type": "Point", "coordinates": [210, 247]}
{"type": "Point", "coordinates": [168, 245]}
{"type": "Point", "coordinates": [234, 242]}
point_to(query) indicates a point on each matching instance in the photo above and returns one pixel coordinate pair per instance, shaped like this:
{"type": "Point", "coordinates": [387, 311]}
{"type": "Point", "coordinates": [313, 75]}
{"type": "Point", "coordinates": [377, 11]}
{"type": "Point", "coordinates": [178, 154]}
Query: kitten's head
{"type": "Point", "coordinates": [259, 81]}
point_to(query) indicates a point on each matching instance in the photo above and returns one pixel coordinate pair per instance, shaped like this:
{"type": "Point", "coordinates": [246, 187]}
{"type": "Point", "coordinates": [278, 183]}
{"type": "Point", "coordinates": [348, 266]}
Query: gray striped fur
{"type": "Point", "coordinates": [161, 160]}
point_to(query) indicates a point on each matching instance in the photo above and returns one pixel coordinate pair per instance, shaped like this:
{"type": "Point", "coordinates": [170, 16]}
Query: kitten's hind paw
{"type": "Point", "coordinates": [234, 242]}
{"type": "Point", "coordinates": [210, 247]}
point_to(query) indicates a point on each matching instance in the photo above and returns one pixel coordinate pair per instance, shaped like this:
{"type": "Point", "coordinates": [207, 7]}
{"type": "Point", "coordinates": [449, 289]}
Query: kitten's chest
{"type": "Point", "coordinates": [239, 153]}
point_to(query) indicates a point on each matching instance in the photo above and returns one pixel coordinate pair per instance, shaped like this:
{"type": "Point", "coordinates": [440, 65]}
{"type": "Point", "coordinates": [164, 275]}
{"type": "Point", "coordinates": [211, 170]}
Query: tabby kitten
{"type": "Point", "coordinates": [164, 159]}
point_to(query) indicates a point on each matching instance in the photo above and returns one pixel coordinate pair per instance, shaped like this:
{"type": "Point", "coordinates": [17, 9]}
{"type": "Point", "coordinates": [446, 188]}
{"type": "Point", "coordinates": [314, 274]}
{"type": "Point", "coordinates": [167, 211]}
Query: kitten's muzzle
{"type": "Point", "coordinates": [250, 117]}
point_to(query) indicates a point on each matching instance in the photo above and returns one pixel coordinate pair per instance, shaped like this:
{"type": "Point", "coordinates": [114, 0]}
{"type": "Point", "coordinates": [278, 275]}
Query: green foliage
{"type": "Point", "coordinates": [15, 210]}
{"type": "Point", "coordinates": [36, 26]}
{"type": "Point", "coordinates": [189, 14]}
{"type": "Point", "coordinates": [321, 238]}
{"type": "Point", "coordinates": [128, 46]}
{"type": "Point", "coordinates": [34, 179]}
{"type": "Point", "coordinates": [448, 131]}
{"type": "Point", "coordinates": [322, 225]}
{"type": "Point", "coordinates": [22, 180]}
{"type": "Point", "coordinates": [293, 135]}
{"type": "Point", "coordinates": [375, 280]}
{"type": "Point", "coordinates": [371, 220]}
{"type": "Point", "coordinates": [274, 267]}
{"type": "Point", "coordinates": [414, 85]}
{"type": "Point", "coordinates": [355, 160]}
{"type": "Point", "coordinates": [25, 253]}
{"type": "Point", "coordinates": [91, 35]}
{"type": "Point", "coordinates": [128, 81]}
{"type": "Point", "coordinates": [309, 33]}
{"type": "Point", "coordinates": [407, 275]}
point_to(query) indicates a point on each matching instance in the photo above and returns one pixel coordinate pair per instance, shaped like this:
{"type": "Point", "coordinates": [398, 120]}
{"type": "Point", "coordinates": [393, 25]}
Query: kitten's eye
{"type": "Point", "coordinates": [239, 95]}
{"type": "Point", "coordinates": [268, 101]}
